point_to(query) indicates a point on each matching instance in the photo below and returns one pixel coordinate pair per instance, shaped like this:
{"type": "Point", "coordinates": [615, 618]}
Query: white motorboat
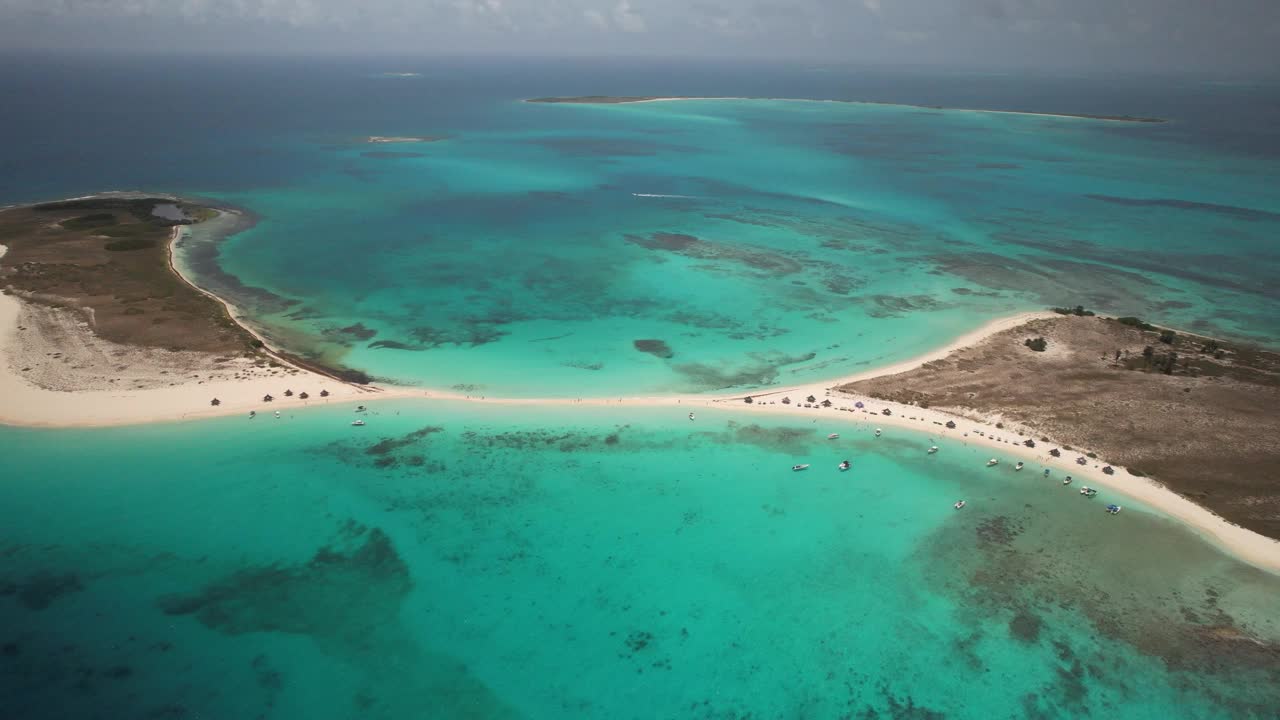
{"type": "Point", "coordinates": [958, 505]}
{"type": "Point", "coordinates": [798, 468]}
{"type": "Point", "coordinates": [933, 449]}
{"type": "Point", "coordinates": [690, 416]}
{"type": "Point", "coordinates": [992, 462]}
{"type": "Point", "coordinates": [833, 436]}
{"type": "Point", "coordinates": [877, 432]}
{"type": "Point", "coordinates": [1018, 466]}
{"type": "Point", "coordinates": [277, 413]}
{"type": "Point", "coordinates": [357, 423]}
{"type": "Point", "coordinates": [844, 466]}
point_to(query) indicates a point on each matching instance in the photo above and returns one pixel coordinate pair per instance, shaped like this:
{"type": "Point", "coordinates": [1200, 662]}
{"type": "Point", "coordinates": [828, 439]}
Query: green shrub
{"type": "Point", "coordinates": [135, 243]}
{"type": "Point", "coordinates": [84, 222]}
{"type": "Point", "coordinates": [1038, 345]}
{"type": "Point", "coordinates": [1135, 322]}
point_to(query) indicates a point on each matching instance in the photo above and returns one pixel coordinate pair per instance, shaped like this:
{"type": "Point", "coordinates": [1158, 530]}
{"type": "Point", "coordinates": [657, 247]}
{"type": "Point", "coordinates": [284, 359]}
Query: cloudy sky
{"type": "Point", "coordinates": [1131, 34]}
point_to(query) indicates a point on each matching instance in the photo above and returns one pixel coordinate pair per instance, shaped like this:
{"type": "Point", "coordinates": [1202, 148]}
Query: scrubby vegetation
{"type": "Point", "coordinates": [1038, 344]}
{"type": "Point", "coordinates": [1078, 311]}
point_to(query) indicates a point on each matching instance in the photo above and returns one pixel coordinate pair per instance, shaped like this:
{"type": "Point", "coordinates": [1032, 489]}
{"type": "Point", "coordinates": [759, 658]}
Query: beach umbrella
{"type": "Point", "coordinates": [858, 404]}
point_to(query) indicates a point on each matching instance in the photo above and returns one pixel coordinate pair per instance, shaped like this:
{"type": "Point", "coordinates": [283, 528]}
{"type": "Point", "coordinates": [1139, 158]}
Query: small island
{"type": "Point", "coordinates": [382, 139]}
{"type": "Point", "coordinates": [1195, 413]}
{"type": "Point", "coordinates": [624, 99]}
{"type": "Point", "coordinates": [97, 321]}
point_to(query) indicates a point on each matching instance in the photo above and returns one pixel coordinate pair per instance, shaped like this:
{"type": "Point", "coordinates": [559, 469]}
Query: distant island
{"type": "Point", "coordinates": [624, 99]}
{"type": "Point", "coordinates": [379, 139]}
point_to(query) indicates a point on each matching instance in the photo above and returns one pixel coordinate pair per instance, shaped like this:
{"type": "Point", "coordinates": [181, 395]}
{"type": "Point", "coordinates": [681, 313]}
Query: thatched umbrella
{"type": "Point", "coordinates": [215, 402]}
{"type": "Point", "coordinates": [826, 403]}
{"type": "Point", "coordinates": [303, 396]}
{"type": "Point", "coordinates": [811, 399]}
{"type": "Point", "coordinates": [747, 400]}
{"type": "Point", "coordinates": [786, 401]}
{"type": "Point", "coordinates": [267, 398]}
{"type": "Point", "coordinates": [288, 393]}
{"type": "Point", "coordinates": [858, 405]}
{"type": "Point", "coordinates": [324, 393]}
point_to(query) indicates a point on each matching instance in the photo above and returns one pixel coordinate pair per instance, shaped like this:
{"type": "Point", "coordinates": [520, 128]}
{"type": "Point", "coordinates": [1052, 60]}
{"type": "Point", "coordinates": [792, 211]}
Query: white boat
{"type": "Point", "coordinates": [277, 413]}
{"type": "Point", "coordinates": [958, 505]}
{"type": "Point", "coordinates": [833, 436]}
{"type": "Point", "coordinates": [933, 449]}
{"type": "Point", "coordinates": [357, 423]}
{"type": "Point", "coordinates": [992, 461]}
{"type": "Point", "coordinates": [798, 468]}
{"type": "Point", "coordinates": [1018, 466]}
{"type": "Point", "coordinates": [843, 466]}
{"type": "Point", "coordinates": [877, 432]}
{"type": "Point", "coordinates": [253, 414]}
{"type": "Point", "coordinates": [1067, 481]}
{"type": "Point", "coordinates": [1114, 509]}
{"type": "Point", "coordinates": [690, 416]}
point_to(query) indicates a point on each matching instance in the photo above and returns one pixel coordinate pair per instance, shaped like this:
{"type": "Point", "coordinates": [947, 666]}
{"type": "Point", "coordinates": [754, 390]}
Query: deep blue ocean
{"type": "Point", "coordinates": [455, 561]}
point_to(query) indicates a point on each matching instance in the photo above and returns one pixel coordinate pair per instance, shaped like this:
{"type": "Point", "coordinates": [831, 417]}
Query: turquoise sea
{"type": "Point", "coordinates": [463, 561]}
{"type": "Point", "coordinates": [457, 561]}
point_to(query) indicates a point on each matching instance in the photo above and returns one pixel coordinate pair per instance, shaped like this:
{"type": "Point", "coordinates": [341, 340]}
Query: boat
{"type": "Point", "coordinates": [690, 416]}
{"type": "Point", "coordinates": [1018, 466]}
{"type": "Point", "coordinates": [933, 449]}
{"type": "Point", "coordinates": [357, 423]}
{"type": "Point", "coordinates": [958, 505]}
{"type": "Point", "coordinates": [798, 468]}
{"type": "Point", "coordinates": [277, 413]}
{"type": "Point", "coordinates": [1113, 509]}
{"type": "Point", "coordinates": [992, 462]}
{"type": "Point", "coordinates": [1088, 491]}
{"type": "Point", "coordinates": [1046, 472]}
{"type": "Point", "coordinates": [1067, 481]}
{"type": "Point", "coordinates": [877, 432]}
{"type": "Point", "coordinates": [253, 414]}
{"type": "Point", "coordinates": [833, 436]}
{"type": "Point", "coordinates": [844, 466]}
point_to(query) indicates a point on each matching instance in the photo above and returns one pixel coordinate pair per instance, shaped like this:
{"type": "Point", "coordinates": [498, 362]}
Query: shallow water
{"type": "Point", "coordinates": [762, 242]}
{"type": "Point", "coordinates": [474, 562]}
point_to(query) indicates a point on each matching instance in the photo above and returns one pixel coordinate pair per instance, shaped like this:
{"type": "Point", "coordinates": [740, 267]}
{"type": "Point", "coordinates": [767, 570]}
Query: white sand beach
{"type": "Point", "coordinates": [91, 393]}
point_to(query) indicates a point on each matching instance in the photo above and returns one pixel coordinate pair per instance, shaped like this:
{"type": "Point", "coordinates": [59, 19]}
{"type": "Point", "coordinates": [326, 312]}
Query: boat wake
{"type": "Point", "coordinates": [660, 195]}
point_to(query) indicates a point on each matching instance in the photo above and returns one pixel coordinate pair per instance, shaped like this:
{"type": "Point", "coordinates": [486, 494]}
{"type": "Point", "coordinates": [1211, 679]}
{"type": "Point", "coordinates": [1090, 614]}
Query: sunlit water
{"type": "Point", "coordinates": [477, 562]}
{"type": "Point", "coordinates": [467, 562]}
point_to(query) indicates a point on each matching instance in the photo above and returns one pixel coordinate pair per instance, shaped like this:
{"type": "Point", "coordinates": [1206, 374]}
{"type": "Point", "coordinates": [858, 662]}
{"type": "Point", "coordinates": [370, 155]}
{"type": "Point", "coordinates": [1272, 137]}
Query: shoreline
{"type": "Point", "coordinates": [620, 100]}
{"type": "Point", "coordinates": [24, 404]}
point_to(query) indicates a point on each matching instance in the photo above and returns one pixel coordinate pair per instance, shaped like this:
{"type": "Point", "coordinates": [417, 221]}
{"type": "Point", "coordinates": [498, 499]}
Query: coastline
{"type": "Point", "coordinates": [608, 100]}
{"type": "Point", "coordinates": [25, 404]}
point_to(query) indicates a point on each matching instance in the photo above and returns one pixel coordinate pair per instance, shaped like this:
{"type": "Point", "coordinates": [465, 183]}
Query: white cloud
{"type": "Point", "coordinates": [626, 19]}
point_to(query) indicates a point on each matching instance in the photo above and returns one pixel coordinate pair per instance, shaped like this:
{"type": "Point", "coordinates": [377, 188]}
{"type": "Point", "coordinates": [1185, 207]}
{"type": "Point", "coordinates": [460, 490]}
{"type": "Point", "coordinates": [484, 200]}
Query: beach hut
{"type": "Point", "coordinates": [811, 399]}
{"type": "Point", "coordinates": [826, 403]}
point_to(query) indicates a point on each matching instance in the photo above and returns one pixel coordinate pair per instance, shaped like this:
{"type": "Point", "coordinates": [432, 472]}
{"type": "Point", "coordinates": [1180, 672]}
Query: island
{"type": "Point", "coordinates": [625, 99]}
{"type": "Point", "coordinates": [1197, 413]}
{"type": "Point", "coordinates": [95, 314]}
{"type": "Point", "coordinates": [99, 326]}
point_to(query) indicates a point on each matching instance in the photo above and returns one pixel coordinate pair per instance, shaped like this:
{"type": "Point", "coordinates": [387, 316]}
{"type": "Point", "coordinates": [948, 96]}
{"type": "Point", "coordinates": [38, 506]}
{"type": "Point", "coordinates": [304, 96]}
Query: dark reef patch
{"type": "Point", "coordinates": [42, 589]}
{"type": "Point", "coordinates": [656, 348]}
{"type": "Point", "coordinates": [1025, 626]}
{"type": "Point", "coordinates": [350, 333]}
{"type": "Point", "coordinates": [759, 259]}
{"type": "Point", "coordinates": [343, 595]}
{"type": "Point", "coordinates": [392, 345]}
{"type": "Point", "coordinates": [1232, 211]}
{"type": "Point", "coordinates": [389, 445]}
{"type": "Point", "coordinates": [889, 306]}
{"type": "Point", "coordinates": [759, 369]}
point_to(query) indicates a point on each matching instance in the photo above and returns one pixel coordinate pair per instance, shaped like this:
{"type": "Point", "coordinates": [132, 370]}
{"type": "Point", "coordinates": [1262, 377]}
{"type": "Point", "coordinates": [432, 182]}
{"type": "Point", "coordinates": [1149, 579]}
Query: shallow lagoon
{"type": "Point", "coordinates": [765, 242]}
{"type": "Point", "coordinates": [477, 562]}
